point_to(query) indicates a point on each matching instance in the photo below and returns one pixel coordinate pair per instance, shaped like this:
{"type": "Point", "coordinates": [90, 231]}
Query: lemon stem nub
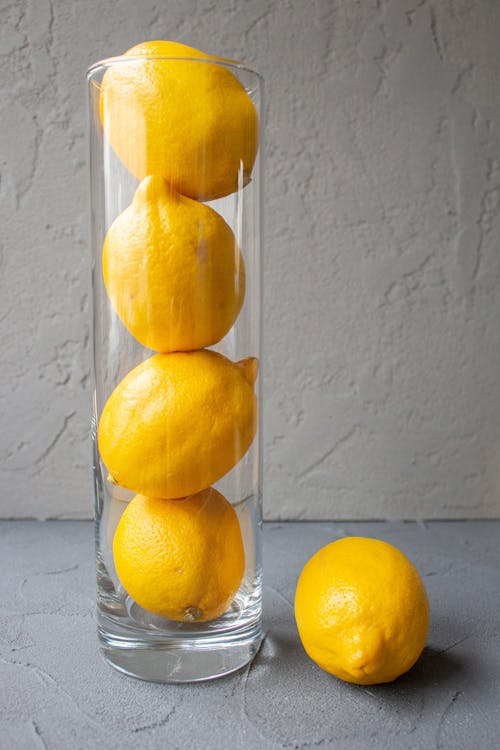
{"type": "Point", "coordinates": [250, 367]}
{"type": "Point", "coordinates": [193, 614]}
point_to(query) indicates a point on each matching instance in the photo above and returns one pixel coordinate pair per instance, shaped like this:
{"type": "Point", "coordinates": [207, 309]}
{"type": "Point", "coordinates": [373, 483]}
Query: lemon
{"type": "Point", "coordinates": [181, 559]}
{"type": "Point", "coordinates": [189, 120]}
{"type": "Point", "coordinates": [173, 270]}
{"type": "Point", "coordinates": [178, 422]}
{"type": "Point", "coordinates": [362, 611]}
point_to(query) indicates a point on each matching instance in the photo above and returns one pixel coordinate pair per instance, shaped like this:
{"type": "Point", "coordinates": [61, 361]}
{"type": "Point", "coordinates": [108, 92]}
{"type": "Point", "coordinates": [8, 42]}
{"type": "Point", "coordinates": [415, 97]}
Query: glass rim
{"type": "Point", "coordinates": [109, 62]}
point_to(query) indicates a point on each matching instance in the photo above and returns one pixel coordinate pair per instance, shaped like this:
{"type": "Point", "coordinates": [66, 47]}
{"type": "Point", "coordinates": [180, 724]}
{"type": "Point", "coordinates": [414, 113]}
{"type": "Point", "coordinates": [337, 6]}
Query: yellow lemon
{"type": "Point", "coordinates": [181, 559]}
{"type": "Point", "coordinates": [172, 270]}
{"type": "Point", "coordinates": [189, 120]}
{"type": "Point", "coordinates": [178, 422]}
{"type": "Point", "coordinates": [362, 611]}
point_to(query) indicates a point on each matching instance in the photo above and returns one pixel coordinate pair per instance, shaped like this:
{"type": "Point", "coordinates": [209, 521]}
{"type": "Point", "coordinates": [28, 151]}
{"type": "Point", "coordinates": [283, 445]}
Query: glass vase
{"type": "Point", "coordinates": [175, 195]}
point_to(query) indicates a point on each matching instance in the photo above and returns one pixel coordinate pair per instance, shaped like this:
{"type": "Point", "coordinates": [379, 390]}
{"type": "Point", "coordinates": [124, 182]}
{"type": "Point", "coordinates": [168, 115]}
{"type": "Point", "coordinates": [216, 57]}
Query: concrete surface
{"type": "Point", "coordinates": [55, 692]}
{"type": "Point", "coordinates": [382, 267]}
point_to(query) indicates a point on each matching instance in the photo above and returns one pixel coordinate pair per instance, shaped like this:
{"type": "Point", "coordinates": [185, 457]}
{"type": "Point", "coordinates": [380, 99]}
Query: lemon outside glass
{"type": "Point", "coordinates": [147, 641]}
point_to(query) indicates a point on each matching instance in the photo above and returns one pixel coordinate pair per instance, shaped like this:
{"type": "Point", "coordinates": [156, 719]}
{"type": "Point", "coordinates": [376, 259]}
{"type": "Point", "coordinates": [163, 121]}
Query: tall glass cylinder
{"type": "Point", "coordinates": [175, 185]}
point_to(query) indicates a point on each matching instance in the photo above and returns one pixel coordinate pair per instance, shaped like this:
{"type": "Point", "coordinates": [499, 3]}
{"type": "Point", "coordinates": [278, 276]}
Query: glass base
{"type": "Point", "coordinates": [144, 645]}
{"type": "Point", "coordinates": [185, 659]}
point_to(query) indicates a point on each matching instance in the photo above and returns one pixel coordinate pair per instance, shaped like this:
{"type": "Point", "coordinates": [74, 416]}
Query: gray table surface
{"type": "Point", "coordinates": [56, 692]}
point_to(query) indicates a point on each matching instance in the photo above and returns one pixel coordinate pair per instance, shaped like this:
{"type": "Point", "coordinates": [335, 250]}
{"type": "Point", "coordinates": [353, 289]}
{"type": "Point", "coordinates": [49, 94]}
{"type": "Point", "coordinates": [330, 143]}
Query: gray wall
{"type": "Point", "coordinates": [382, 258]}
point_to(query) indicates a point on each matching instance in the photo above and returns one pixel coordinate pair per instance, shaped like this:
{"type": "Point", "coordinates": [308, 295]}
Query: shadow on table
{"type": "Point", "coordinates": [436, 668]}
{"type": "Point", "coordinates": [290, 700]}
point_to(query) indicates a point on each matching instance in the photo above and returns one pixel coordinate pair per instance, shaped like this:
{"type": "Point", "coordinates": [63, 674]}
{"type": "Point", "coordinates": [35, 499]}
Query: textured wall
{"type": "Point", "coordinates": [382, 257]}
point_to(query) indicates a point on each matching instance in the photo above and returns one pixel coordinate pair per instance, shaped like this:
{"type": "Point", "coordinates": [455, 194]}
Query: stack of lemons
{"type": "Point", "coordinates": [187, 129]}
